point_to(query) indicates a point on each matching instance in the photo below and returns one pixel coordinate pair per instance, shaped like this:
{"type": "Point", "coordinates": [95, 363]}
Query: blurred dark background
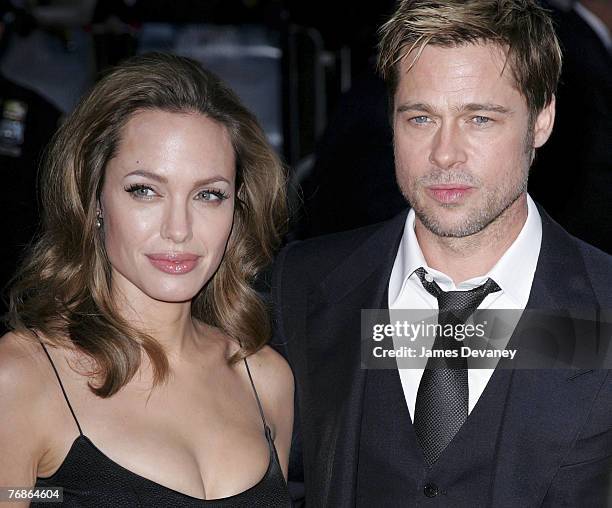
{"type": "Point", "coordinates": [307, 70]}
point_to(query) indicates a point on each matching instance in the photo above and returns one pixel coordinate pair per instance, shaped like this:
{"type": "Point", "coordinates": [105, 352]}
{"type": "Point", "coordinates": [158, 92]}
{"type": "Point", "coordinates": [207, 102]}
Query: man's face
{"type": "Point", "coordinates": [462, 137]}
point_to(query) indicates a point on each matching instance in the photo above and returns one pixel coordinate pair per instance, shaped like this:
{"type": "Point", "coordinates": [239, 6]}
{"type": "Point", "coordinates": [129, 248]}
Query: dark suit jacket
{"type": "Point", "coordinates": [555, 445]}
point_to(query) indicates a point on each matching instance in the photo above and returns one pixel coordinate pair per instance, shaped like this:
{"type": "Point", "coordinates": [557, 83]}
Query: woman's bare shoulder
{"type": "Point", "coordinates": [273, 379]}
{"type": "Point", "coordinates": [27, 381]}
{"type": "Point", "coordinates": [24, 399]}
{"type": "Point", "coordinates": [272, 370]}
{"type": "Point", "coordinates": [21, 357]}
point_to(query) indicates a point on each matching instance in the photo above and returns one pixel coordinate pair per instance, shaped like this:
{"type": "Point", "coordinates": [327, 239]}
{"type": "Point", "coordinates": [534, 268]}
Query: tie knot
{"type": "Point", "coordinates": [460, 303]}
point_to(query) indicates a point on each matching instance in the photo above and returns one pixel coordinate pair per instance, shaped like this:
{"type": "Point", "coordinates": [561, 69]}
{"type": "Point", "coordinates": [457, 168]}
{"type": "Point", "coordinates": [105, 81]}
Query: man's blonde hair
{"type": "Point", "coordinates": [521, 27]}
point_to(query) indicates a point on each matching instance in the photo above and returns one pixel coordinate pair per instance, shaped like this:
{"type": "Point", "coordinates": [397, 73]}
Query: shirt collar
{"type": "Point", "coordinates": [513, 272]}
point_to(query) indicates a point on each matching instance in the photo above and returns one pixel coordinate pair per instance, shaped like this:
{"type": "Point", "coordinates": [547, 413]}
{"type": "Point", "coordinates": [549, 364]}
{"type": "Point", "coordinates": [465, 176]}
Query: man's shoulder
{"type": "Point", "coordinates": [576, 256]}
{"type": "Point", "coordinates": [598, 265]}
{"type": "Point", "coordinates": [595, 257]}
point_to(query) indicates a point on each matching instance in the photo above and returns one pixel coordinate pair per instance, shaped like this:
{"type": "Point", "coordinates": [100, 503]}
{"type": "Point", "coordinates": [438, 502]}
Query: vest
{"type": "Point", "coordinates": [391, 469]}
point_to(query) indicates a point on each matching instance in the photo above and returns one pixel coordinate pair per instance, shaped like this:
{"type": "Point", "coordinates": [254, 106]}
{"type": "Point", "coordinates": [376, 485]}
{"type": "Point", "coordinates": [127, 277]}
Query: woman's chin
{"type": "Point", "coordinates": [173, 294]}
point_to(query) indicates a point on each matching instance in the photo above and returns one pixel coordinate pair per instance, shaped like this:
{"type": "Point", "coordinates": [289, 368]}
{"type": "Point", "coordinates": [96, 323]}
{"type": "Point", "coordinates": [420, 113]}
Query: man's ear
{"type": "Point", "coordinates": [543, 124]}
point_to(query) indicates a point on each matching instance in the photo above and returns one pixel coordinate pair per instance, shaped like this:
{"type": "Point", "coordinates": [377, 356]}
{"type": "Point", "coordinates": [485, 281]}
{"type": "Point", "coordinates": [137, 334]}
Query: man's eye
{"type": "Point", "coordinates": [420, 120]}
{"type": "Point", "coordinates": [481, 120]}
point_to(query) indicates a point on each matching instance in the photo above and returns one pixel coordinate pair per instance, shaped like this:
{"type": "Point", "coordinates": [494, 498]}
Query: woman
{"type": "Point", "coordinates": [136, 373]}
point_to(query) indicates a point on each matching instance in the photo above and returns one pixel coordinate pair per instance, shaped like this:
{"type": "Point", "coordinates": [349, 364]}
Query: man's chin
{"type": "Point", "coordinates": [453, 232]}
{"type": "Point", "coordinates": [457, 227]}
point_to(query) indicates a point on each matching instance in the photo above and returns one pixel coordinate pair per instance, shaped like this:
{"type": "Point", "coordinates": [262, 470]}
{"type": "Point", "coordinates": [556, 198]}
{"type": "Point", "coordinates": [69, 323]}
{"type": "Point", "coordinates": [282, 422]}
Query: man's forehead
{"type": "Point", "coordinates": [480, 57]}
{"type": "Point", "coordinates": [456, 70]}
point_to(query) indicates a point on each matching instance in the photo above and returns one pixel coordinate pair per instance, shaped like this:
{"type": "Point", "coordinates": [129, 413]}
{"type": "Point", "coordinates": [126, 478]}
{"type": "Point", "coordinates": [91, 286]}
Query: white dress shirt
{"type": "Point", "coordinates": [513, 273]}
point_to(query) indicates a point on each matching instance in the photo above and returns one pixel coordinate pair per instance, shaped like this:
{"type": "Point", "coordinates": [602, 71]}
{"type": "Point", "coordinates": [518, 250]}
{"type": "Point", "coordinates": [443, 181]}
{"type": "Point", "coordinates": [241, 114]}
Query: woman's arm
{"type": "Point", "coordinates": [21, 445]}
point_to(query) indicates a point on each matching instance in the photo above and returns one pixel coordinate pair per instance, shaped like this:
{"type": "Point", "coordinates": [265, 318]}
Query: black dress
{"type": "Point", "coordinates": [91, 479]}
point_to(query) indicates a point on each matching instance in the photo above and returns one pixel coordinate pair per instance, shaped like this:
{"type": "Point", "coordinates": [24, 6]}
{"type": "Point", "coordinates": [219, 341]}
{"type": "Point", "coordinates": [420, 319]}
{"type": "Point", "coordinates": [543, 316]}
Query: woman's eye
{"type": "Point", "coordinates": [211, 195]}
{"type": "Point", "coordinates": [141, 191]}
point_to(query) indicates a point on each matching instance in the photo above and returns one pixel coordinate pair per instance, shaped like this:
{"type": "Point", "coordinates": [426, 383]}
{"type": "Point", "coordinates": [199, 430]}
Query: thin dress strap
{"type": "Point", "coordinates": [261, 412]}
{"type": "Point", "coordinates": [61, 385]}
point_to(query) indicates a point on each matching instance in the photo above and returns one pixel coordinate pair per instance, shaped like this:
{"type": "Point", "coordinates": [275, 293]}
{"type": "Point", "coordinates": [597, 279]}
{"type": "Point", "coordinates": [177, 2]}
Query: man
{"type": "Point", "coordinates": [472, 97]}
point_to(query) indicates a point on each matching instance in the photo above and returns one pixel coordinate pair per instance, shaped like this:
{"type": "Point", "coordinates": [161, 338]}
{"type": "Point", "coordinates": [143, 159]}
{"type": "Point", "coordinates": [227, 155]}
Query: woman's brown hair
{"type": "Point", "coordinates": [63, 288]}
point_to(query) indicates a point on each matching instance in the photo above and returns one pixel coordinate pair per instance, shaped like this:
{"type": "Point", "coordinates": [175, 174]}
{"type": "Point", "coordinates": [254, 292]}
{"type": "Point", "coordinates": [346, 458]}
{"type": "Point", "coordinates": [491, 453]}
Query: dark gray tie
{"type": "Point", "coordinates": [443, 396]}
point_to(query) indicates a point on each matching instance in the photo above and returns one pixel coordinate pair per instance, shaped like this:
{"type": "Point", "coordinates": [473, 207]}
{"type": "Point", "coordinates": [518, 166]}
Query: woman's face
{"type": "Point", "coordinates": [167, 204]}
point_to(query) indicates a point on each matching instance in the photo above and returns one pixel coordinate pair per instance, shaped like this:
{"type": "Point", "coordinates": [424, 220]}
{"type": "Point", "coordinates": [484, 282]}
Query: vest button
{"type": "Point", "coordinates": [431, 490]}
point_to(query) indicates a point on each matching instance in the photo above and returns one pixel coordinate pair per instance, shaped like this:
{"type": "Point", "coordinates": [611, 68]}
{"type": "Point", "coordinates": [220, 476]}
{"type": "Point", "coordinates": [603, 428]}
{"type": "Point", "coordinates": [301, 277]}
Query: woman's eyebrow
{"type": "Point", "coordinates": [163, 179]}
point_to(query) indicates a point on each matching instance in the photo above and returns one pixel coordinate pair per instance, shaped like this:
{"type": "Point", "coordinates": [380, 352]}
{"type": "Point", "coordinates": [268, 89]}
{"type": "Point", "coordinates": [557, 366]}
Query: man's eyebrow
{"type": "Point", "coordinates": [414, 106]}
{"type": "Point", "coordinates": [163, 179]}
{"type": "Point", "coordinates": [422, 107]}
{"type": "Point", "coordinates": [495, 108]}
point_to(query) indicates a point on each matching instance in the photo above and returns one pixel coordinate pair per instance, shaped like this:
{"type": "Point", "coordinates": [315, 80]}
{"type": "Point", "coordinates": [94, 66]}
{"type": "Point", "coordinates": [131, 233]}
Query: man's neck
{"type": "Point", "coordinates": [473, 256]}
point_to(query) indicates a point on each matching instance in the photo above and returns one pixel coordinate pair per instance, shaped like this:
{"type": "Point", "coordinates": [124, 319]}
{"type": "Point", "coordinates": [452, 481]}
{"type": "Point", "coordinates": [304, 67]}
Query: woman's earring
{"type": "Point", "coordinates": [99, 220]}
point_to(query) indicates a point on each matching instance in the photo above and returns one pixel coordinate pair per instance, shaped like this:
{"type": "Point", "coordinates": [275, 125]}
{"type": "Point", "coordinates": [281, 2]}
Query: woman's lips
{"type": "Point", "coordinates": [175, 264]}
{"type": "Point", "coordinates": [450, 193]}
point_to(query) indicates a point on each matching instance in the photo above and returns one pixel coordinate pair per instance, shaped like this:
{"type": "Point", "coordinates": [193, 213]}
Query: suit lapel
{"type": "Point", "coordinates": [545, 408]}
{"type": "Point", "coordinates": [336, 380]}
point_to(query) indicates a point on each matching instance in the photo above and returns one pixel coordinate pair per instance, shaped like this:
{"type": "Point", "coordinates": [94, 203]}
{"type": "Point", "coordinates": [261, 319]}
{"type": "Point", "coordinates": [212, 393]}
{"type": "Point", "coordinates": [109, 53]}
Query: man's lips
{"type": "Point", "coordinates": [174, 263]}
{"type": "Point", "coordinates": [449, 193]}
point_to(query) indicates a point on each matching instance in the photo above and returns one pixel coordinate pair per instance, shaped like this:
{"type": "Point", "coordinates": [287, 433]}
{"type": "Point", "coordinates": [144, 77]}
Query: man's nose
{"type": "Point", "coordinates": [176, 225]}
{"type": "Point", "coordinates": [447, 148]}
